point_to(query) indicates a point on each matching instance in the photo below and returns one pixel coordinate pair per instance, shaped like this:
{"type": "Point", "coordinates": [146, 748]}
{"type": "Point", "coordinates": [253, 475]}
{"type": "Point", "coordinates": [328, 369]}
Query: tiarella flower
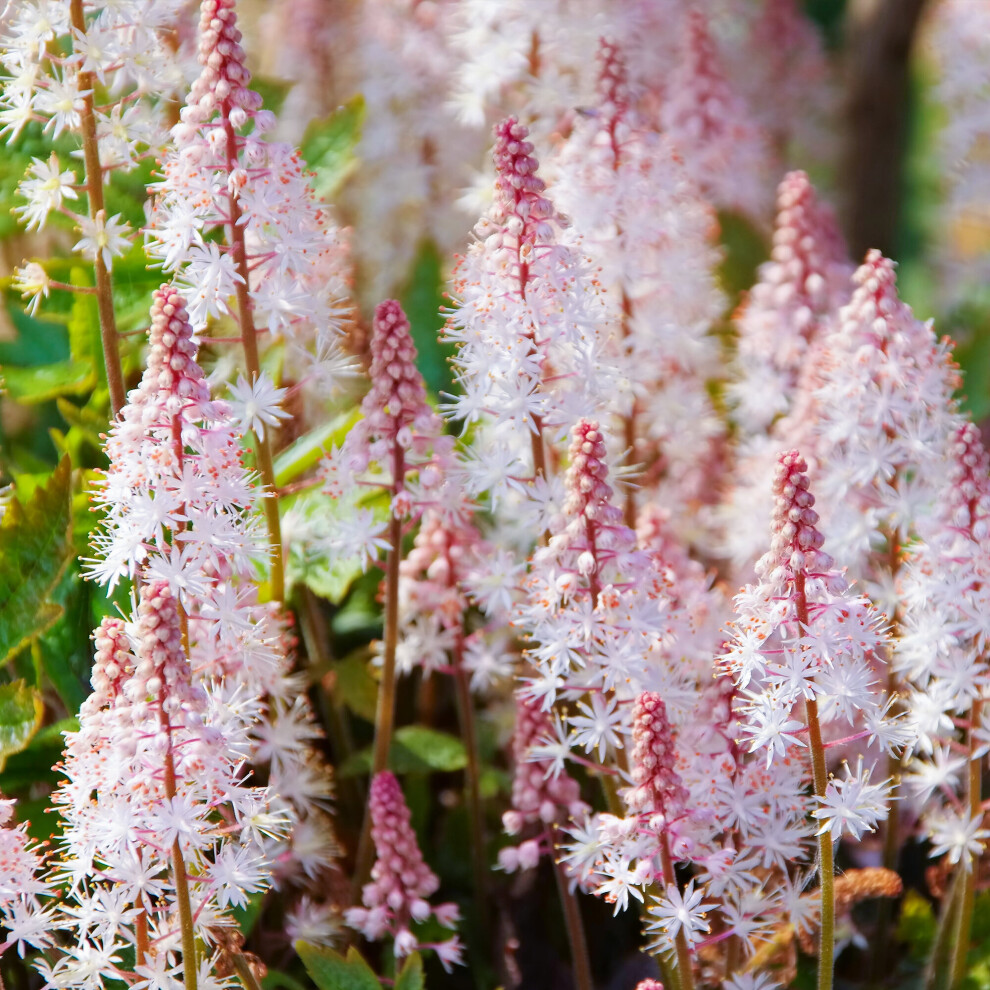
{"type": "Point", "coordinates": [172, 809]}
{"type": "Point", "coordinates": [886, 417]}
{"type": "Point", "coordinates": [397, 435]}
{"type": "Point", "coordinates": [783, 325]}
{"type": "Point", "coordinates": [45, 190]}
{"type": "Point", "coordinates": [396, 899]}
{"type": "Point", "coordinates": [802, 643]}
{"type": "Point", "coordinates": [526, 321]}
{"type": "Point", "coordinates": [723, 148]}
{"type": "Point", "coordinates": [24, 920]}
{"type": "Point", "coordinates": [543, 795]}
{"type": "Point", "coordinates": [675, 913]}
{"type": "Point", "coordinates": [942, 650]}
{"type": "Point", "coordinates": [219, 177]}
{"type": "Point", "coordinates": [640, 218]}
{"type": "Point", "coordinates": [257, 405]}
{"type": "Point", "coordinates": [104, 236]}
{"type": "Point", "coordinates": [791, 307]}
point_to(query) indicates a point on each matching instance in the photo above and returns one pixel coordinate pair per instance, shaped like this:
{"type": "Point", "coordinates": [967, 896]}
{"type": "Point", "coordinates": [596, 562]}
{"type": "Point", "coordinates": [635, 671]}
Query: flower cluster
{"type": "Point", "coordinates": [401, 882]}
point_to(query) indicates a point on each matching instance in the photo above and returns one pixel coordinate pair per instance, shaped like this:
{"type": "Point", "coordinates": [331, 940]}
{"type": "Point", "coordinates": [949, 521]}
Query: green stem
{"type": "Point", "coordinates": [94, 194]}
{"type": "Point", "coordinates": [826, 856]}
{"type": "Point", "coordinates": [472, 782]}
{"type": "Point", "coordinates": [684, 975]}
{"type": "Point", "coordinates": [190, 968]}
{"type": "Point", "coordinates": [249, 337]}
{"type": "Point", "coordinates": [937, 969]}
{"type": "Point", "coordinates": [385, 710]}
{"type": "Point", "coordinates": [575, 927]}
{"type": "Point", "coordinates": [967, 898]}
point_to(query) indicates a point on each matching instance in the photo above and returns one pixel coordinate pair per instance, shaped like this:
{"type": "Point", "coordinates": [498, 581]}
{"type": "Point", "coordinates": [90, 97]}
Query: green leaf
{"type": "Point", "coordinates": [328, 146]}
{"type": "Point", "coordinates": [48, 381]}
{"type": "Point", "coordinates": [414, 749]}
{"type": "Point", "coordinates": [33, 765]}
{"type": "Point", "coordinates": [37, 341]}
{"type": "Point", "coordinates": [331, 971]}
{"type": "Point", "coordinates": [306, 452]}
{"type": "Point", "coordinates": [421, 300]}
{"type": "Point", "coordinates": [35, 546]}
{"type": "Point", "coordinates": [745, 251]}
{"type": "Point", "coordinates": [21, 710]}
{"type": "Point", "coordinates": [355, 686]}
{"type": "Point", "coordinates": [66, 650]}
{"type": "Point", "coordinates": [272, 92]}
{"type": "Point", "coordinates": [411, 975]}
{"type": "Point", "coordinates": [916, 927]}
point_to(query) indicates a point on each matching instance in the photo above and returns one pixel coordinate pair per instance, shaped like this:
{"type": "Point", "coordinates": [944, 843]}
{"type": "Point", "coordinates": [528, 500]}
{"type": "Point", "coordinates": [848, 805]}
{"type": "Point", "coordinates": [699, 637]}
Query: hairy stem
{"type": "Point", "coordinates": [684, 975]}
{"type": "Point", "coordinates": [94, 194]}
{"type": "Point", "coordinates": [967, 897]}
{"type": "Point", "coordinates": [575, 927]}
{"type": "Point", "coordinates": [826, 857]}
{"type": "Point", "coordinates": [472, 782]}
{"type": "Point", "coordinates": [385, 710]}
{"type": "Point", "coordinates": [190, 969]}
{"type": "Point", "coordinates": [249, 336]}
{"type": "Point", "coordinates": [244, 972]}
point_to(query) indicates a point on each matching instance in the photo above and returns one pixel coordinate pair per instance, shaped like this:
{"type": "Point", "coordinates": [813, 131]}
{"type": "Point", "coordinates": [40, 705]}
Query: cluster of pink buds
{"type": "Point", "coordinates": [542, 794]}
{"type": "Point", "coordinates": [396, 897]}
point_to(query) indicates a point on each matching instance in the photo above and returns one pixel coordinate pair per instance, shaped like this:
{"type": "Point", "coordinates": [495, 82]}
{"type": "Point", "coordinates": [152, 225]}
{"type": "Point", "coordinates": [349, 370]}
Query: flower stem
{"type": "Point", "coordinates": [244, 972]}
{"type": "Point", "coordinates": [94, 194]}
{"type": "Point", "coordinates": [575, 927]}
{"type": "Point", "coordinates": [190, 969]}
{"type": "Point", "coordinates": [385, 710]}
{"type": "Point", "coordinates": [826, 857]}
{"type": "Point", "coordinates": [967, 897]}
{"type": "Point", "coordinates": [825, 852]}
{"type": "Point", "coordinates": [684, 974]}
{"type": "Point", "coordinates": [249, 336]}
{"type": "Point", "coordinates": [472, 782]}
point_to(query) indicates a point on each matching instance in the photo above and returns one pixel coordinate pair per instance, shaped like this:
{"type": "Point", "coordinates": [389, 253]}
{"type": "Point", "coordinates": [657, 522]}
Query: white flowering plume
{"type": "Point", "coordinates": [280, 244]}
{"type": "Point", "coordinates": [640, 217]}
{"type": "Point", "coordinates": [942, 652]}
{"type": "Point", "coordinates": [527, 322]}
{"type": "Point", "coordinates": [172, 817]}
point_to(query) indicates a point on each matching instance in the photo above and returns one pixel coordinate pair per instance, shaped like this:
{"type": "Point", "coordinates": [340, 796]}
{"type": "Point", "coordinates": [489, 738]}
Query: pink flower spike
{"type": "Point", "coordinates": [400, 881]}
{"type": "Point", "coordinates": [796, 545]}
{"type": "Point", "coordinates": [396, 404]}
{"type": "Point", "coordinates": [659, 787]}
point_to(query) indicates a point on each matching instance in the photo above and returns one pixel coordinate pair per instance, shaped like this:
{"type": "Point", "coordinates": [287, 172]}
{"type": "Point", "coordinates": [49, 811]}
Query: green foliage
{"type": "Point", "coordinates": [34, 763]}
{"type": "Point", "coordinates": [35, 547]}
{"type": "Point", "coordinates": [916, 926]}
{"type": "Point", "coordinates": [422, 300]}
{"type": "Point", "coordinates": [328, 146]}
{"type": "Point", "coordinates": [21, 711]}
{"type": "Point", "coordinates": [306, 452]}
{"type": "Point", "coordinates": [48, 381]}
{"type": "Point", "coordinates": [411, 975]}
{"type": "Point", "coordinates": [414, 749]}
{"type": "Point", "coordinates": [355, 686]}
{"type": "Point", "coordinates": [332, 971]}
{"type": "Point", "coordinates": [745, 250]}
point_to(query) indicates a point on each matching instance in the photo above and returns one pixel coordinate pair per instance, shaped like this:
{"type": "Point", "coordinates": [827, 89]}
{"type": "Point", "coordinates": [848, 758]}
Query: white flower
{"type": "Point", "coordinates": [854, 804]}
{"type": "Point", "coordinates": [44, 189]}
{"type": "Point", "coordinates": [675, 913]}
{"type": "Point", "coordinates": [32, 283]}
{"type": "Point", "coordinates": [104, 237]}
{"type": "Point", "coordinates": [959, 836]}
{"type": "Point", "coordinates": [257, 404]}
